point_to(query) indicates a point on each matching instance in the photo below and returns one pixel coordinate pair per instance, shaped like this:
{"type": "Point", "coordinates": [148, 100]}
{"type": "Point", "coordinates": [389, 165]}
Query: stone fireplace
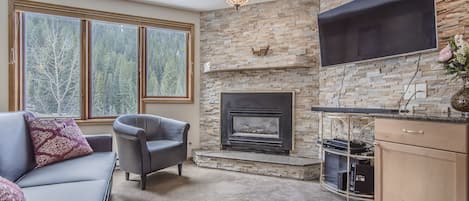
{"type": "Point", "coordinates": [257, 122]}
{"type": "Point", "coordinates": [289, 28]}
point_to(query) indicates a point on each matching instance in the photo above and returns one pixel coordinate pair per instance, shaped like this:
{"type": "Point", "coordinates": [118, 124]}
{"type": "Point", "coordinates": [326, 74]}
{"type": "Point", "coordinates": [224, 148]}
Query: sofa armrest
{"type": "Point", "coordinates": [100, 143]}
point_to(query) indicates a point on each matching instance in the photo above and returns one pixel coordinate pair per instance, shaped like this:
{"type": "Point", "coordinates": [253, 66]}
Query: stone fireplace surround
{"type": "Point", "coordinates": [227, 36]}
{"type": "Point", "coordinates": [289, 27]}
{"type": "Point", "coordinates": [245, 160]}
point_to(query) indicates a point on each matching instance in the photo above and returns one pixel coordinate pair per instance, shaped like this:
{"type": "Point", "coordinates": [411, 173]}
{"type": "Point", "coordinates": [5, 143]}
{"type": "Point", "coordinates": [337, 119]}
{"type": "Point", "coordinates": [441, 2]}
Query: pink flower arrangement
{"type": "Point", "coordinates": [445, 54]}
{"type": "Point", "coordinates": [455, 56]}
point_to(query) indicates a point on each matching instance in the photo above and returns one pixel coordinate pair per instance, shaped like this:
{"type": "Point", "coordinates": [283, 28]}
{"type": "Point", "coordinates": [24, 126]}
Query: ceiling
{"type": "Point", "coordinates": [194, 5]}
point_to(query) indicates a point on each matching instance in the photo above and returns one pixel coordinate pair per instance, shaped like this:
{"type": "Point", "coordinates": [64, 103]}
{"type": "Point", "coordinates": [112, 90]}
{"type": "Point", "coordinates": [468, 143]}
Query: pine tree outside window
{"type": "Point", "coordinates": [166, 63]}
{"type": "Point", "coordinates": [114, 69]}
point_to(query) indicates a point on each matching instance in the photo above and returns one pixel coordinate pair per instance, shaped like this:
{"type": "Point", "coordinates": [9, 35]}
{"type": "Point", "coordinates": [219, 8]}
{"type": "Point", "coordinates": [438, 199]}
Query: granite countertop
{"type": "Point", "coordinates": [454, 117]}
{"type": "Point", "coordinates": [440, 117]}
{"type": "Point", "coordinates": [354, 110]}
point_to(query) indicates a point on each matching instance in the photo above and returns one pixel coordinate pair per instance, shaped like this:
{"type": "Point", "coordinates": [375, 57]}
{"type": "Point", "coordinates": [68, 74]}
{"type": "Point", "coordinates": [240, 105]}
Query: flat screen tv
{"type": "Point", "coordinates": [369, 29]}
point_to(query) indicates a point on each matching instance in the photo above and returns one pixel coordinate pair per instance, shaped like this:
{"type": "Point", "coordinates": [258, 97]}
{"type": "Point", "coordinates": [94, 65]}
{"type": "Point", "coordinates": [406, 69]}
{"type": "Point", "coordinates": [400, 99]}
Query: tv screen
{"type": "Point", "coordinates": [369, 29]}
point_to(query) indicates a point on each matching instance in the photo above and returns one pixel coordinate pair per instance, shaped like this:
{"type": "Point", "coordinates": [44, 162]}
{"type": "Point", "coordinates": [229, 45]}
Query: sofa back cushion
{"type": "Point", "coordinates": [16, 151]}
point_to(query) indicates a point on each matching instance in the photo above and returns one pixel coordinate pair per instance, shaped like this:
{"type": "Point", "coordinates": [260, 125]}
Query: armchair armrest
{"type": "Point", "coordinates": [175, 130]}
{"type": "Point", "coordinates": [131, 144]}
{"type": "Point", "coordinates": [100, 143]}
{"type": "Point", "coordinates": [128, 132]}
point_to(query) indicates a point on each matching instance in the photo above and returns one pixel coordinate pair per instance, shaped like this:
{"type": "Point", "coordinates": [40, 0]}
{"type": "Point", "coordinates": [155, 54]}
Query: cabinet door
{"type": "Point", "coordinates": [410, 173]}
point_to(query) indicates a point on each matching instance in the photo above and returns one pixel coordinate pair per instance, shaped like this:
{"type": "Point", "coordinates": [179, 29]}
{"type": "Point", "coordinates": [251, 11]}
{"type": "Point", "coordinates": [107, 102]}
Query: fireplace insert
{"type": "Point", "coordinates": [257, 122]}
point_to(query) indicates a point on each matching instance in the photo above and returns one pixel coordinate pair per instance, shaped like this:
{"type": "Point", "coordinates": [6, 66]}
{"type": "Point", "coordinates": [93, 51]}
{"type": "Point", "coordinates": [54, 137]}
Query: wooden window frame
{"type": "Point", "coordinates": [16, 67]}
{"type": "Point", "coordinates": [89, 73]}
{"type": "Point", "coordinates": [188, 98]}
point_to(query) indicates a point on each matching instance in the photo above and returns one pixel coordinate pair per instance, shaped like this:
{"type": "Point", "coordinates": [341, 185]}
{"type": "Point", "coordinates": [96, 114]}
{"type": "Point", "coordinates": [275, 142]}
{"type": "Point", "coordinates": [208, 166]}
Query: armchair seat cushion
{"type": "Point", "coordinates": [164, 153]}
{"type": "Point", "coordinates": [160, 145]}
{"type": "Point", "coordinates": [97, 166]}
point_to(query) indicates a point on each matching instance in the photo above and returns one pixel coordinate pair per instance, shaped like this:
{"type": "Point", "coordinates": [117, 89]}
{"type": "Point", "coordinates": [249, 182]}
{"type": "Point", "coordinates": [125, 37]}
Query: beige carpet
{"type": "Point", "coordinates": [201, 184]}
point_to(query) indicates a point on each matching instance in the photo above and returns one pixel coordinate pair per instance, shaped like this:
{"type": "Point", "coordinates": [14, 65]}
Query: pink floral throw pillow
{"type": "Point", "coordinates": [57, 140]}
{"type": "Point", "coordinates": [10, 191]}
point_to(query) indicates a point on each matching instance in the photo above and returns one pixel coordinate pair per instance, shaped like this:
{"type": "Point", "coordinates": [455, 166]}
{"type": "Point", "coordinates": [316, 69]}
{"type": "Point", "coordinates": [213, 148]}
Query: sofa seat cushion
{"type": "Point", "coordinates": [97, 166]}
{"type": "Point", "coordinates": [74, 191]}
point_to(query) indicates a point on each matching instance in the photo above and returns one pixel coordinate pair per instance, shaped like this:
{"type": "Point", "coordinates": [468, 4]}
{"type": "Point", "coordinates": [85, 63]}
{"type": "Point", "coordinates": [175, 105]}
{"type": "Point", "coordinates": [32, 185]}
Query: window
{"type": "Point", "coordinates": [92, 65]}
{"type": "Point", "coordinates": [166, 63]}
{"type": "Point", "coordinates": [114, 69]}
{"type": "Point", "coordinates": [52, 65]}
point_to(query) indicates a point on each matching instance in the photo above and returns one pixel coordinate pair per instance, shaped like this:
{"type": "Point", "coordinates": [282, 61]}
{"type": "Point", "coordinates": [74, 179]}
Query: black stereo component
{"type": "Point", "coordinates": [335, 167]}
{"type": "Point", "coordinates": [362, 179]}
{"type": "Point", "coordinates": [342, 180]}
{"type": "Point", "coordinates": [340, 144]}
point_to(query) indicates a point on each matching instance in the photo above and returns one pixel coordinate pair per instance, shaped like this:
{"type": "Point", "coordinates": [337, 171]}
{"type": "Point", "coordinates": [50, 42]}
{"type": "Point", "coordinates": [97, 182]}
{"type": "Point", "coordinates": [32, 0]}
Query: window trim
{"type": "Point", "coordinates": [16, 64]}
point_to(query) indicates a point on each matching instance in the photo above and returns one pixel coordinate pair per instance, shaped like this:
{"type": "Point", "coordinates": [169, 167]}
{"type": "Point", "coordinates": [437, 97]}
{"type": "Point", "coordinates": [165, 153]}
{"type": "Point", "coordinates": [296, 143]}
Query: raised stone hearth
{"type": "Point", "coordinates": [257, 163]}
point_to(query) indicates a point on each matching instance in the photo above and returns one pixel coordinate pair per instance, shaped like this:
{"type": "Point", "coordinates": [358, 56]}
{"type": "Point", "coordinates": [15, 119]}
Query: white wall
{"type": "Point", "coordinates": [184, 112]}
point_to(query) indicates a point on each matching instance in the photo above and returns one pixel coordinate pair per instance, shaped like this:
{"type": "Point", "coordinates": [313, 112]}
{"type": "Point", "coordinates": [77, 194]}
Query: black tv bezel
{"type": "Point", "coordinates": [383, 57]}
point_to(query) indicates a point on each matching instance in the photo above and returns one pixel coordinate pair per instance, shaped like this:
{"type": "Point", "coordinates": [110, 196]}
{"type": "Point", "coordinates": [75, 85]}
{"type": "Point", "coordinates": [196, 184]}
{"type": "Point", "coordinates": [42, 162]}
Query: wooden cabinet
{"type": "Point", "coordinates": [414, 161]}
{"type": "Point", "coordinates": [444, 136]}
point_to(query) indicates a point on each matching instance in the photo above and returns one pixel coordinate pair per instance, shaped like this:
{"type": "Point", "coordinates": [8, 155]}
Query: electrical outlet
{"type": "Point", "coordinates": [421, 90]}
{"type": "Point", "coordinates": [409, 92]}
{"type": "Point", "coordinates": [207, 67]}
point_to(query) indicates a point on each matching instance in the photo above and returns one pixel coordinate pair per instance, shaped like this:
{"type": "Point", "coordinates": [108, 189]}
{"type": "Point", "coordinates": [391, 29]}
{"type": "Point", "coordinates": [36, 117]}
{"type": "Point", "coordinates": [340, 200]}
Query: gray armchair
{"type": "Point", "coordinates": [148, 143]}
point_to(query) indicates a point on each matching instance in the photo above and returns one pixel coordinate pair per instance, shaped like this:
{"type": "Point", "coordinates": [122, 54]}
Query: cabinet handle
{"type": "Point", "coordinates": [420, 132]}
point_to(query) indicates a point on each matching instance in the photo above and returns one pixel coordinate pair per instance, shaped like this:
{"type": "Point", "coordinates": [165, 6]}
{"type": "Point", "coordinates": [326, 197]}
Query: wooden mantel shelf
{"type": "Point", "coordinates": [257, 68]}
{"type": "Point", "coordinates": [265, 63]}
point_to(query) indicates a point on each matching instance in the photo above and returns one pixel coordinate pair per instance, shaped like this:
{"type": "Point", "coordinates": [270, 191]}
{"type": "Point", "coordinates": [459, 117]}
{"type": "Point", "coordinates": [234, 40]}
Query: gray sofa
{"type": "Point", "coordinates": [84, 178]}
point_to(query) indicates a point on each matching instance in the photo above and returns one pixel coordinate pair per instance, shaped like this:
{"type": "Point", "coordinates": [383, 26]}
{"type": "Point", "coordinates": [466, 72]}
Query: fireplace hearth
{"type": "Point", "coordinates": [257, 122]}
